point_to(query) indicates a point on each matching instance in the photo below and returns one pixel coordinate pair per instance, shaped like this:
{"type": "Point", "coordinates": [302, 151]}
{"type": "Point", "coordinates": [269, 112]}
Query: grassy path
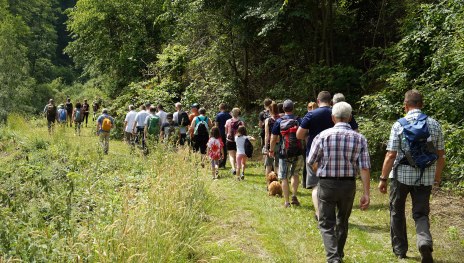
{"type": "Point", "coordinates": [242, 223]}
{"type": "Point", "coordinates": [249, 226]}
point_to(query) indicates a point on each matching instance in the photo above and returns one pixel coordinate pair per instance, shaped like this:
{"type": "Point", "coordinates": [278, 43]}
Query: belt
{"type": "Point", "coordinates": [338, 178]}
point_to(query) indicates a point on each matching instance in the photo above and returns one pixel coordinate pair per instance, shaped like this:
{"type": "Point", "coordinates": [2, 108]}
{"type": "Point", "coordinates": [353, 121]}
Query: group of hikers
{"type": "Point", "coordinates": [66, 114]}
{"type": "Point", "coordinates": [324, 146]}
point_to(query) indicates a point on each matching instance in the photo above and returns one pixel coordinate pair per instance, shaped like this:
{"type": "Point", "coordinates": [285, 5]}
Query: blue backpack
{"type": "Point", "coordinates": [62, 115]}
{"type": "Point", "coordinates": [420, 152]}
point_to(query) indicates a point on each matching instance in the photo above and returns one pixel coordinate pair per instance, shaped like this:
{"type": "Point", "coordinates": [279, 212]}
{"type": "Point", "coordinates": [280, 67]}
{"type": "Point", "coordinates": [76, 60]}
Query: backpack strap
{"type": "Point", "coordinates": [403, 122]}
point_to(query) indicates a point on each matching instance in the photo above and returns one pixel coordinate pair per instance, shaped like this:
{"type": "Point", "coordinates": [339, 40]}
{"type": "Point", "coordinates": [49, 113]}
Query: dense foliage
{"type": "Point", "coordinates": [237, 51]}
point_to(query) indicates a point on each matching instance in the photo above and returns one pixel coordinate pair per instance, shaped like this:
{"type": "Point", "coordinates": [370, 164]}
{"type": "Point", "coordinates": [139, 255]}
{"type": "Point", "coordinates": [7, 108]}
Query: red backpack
{"type": "Point", "coordinates": [290, 146]}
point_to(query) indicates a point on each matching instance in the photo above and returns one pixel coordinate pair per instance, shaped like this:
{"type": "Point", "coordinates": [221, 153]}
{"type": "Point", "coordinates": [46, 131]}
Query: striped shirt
{"type": "Point", "coordinates": [407, 174]}
{"type": "Point", "coordinates": [340, 152]}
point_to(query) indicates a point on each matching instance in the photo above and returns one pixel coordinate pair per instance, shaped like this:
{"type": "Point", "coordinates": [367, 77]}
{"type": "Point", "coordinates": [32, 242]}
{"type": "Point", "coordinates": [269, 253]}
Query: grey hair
{"type": "Point", "coordinates": [339, 97]}
{"type": "Point", "coordinates": [342, 111]}
{"type": "Point", "coordinates": [178, 105]}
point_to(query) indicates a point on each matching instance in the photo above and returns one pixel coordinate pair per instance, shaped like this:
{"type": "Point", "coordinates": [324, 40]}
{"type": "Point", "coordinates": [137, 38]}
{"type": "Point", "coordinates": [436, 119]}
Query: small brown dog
{"type": "Point", "coordinates": [273, 185]}
{"type": "Point", "coordinates": [275, 188]}
{"type": "Point", "coordinates": [271, 177]}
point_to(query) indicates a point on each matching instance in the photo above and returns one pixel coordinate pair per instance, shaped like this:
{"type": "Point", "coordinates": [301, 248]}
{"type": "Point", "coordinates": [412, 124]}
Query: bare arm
{"type": "Point", "coordinates": [267, 134]}
{"type": "Point", "coordinates": [273, 144]}
{"type": "Point", "coordinates": [386, 169]}
{"type": "Point", "coordinates": [301, 133]}
{"type": "Point", "coordinates": [365, 178]}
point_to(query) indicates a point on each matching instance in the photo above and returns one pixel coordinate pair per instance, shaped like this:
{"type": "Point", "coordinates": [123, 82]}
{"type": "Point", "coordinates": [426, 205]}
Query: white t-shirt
{"type": "Point", "coordinates": [140, 118]}
{"type": "Point", "coordinates": [240, 141]}
{"type": "Point", "coordinates": [130, 119]}
{"type": "Point", "coordinates": [162, 114]}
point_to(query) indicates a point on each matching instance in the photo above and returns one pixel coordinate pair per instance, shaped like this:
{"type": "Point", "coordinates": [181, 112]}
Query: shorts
{"type": "Point", "coordinates": [289, 167]}
{"type": "Point", "coordinates": [128, 136]}
{"type": "Point", "coordinates": [311, 178]}
{"type": "Point", "coordinates": [231, 146]}
{"type": "Point", "coordinates": [200, 144]}
{"type": "Point", "coordinates": [269, 161]}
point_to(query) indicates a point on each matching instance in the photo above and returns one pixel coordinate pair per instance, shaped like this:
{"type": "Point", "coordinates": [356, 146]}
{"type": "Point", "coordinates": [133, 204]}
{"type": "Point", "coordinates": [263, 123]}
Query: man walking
{"type": "Point", "coordinates": [406, 179]}
{"type": "Point", "coordinates": [51, 114]}
{"type": "Point", "coordinates": [139, 126]}
{"type": "Point", "coordinates": [341, 153]}
{"type": "Point", "coordinates": [129, 125]}
{"type": "Point", "coordinates": [290, 158]}
{"type": "Point", "coordinates": [104, 125]}
{"type": "Point", "coordinates": [312, 124]}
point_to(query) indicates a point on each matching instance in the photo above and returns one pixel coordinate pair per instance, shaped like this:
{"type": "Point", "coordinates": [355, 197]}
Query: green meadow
{"type": "Point", "coordinates": [62, 200]}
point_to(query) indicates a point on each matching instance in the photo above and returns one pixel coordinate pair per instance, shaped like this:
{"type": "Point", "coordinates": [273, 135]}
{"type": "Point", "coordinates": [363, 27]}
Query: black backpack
{"type": "Point", "coordinates": [183, 119]}
{"type": "Point", "coordinates": [51, 112]}
{"type": "Point", "coordinates": [201, 127]}
{"type": "Point", "coordinates": [248, 148]}
{"type": "Point", "coordinates": [419, 151]}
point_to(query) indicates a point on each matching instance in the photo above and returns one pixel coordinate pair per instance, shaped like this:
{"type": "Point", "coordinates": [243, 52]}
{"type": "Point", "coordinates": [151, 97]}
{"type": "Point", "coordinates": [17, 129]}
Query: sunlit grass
{"type": "Point", "coordinates": [62, 200]}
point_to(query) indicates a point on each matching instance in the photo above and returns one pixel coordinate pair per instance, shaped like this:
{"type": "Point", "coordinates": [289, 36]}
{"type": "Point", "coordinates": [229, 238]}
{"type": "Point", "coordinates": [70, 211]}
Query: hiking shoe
{"type": "Point", "coordinates": [242, 176]}
{"type": "Point", "coordinates": [233, 171]}
{"type": "Point", "coordinates": [295, 201]}
{"type": "Point", "coordinates": [286, 205]}
{"type": "Point", "coordinates": [426, 254]}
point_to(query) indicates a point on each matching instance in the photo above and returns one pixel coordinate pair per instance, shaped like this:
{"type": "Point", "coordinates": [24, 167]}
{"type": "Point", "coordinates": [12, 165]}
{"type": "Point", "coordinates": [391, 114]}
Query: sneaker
{"type": "Point", "coordinates": [242, 176]}
{"type": "Point", "coordinates": [426, 254]}
{"type": "Point", "coordinates": [295, 201]}
{"type": "Point", "coordinates": [286, 205]}
{"type": "Point", "coordinates": [233, 171]}
{"type": "Point", "coordinates": [217, 174]}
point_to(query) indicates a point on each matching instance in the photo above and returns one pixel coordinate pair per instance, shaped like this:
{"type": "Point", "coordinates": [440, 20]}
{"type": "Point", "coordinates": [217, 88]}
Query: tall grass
{"type": "Point", "coordinates": [62, 200]}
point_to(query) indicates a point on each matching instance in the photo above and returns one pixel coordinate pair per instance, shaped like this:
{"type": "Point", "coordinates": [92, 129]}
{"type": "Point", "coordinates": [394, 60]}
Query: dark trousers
{"type": "Point", "coordinates": [420, 196]}
{"type": "Point", "coordinates": [333, 196]}
{"type": "Point", "coordinates": [86, 118]}
{"type": "Point", "coordinates": [183, 138]}
{"type": "Point", "coordinates": [223, 161]}
{"type": "Point", "coordinates": [140, 137]}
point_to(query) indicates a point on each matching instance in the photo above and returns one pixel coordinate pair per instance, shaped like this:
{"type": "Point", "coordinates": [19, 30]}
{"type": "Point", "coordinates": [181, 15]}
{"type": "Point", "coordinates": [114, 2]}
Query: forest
{"type": "Point", "coordinates": [239, 52]}
{"type": "Point", "coordinates": [62, 200]}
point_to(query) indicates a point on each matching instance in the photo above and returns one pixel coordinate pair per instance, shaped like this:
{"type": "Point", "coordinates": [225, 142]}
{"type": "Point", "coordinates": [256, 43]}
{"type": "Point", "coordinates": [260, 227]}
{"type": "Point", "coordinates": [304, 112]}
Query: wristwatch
{"type": "Point", "coordinates": [383, 179]}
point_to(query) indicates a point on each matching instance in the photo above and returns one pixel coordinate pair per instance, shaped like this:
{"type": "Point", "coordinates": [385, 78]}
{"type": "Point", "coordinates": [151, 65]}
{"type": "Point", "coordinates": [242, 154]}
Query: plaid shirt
{"type": "Point", "coordinates": [340, 152]}
{"type": "Point", "coordinates": [407, 174]}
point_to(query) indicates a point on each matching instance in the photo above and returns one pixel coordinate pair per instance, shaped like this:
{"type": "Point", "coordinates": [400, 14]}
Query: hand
{"type": "Point", "coordinates": [271, 154]}
{"type": "Point", "coordinates": [364, 202]}
{"type": "Point", "coordinates": [383, 187]}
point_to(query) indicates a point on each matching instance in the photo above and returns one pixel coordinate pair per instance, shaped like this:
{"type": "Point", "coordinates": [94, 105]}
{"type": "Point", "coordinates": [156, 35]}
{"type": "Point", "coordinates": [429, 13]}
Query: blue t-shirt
{"type": "Point", "coordinates": [221, 118]}
{"type": "Point", "coordinates": [319, 120]}
{"type": "Point", "coordinates": [276, 127]}
{"type": "Point", "coordinates": [100, 120]}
